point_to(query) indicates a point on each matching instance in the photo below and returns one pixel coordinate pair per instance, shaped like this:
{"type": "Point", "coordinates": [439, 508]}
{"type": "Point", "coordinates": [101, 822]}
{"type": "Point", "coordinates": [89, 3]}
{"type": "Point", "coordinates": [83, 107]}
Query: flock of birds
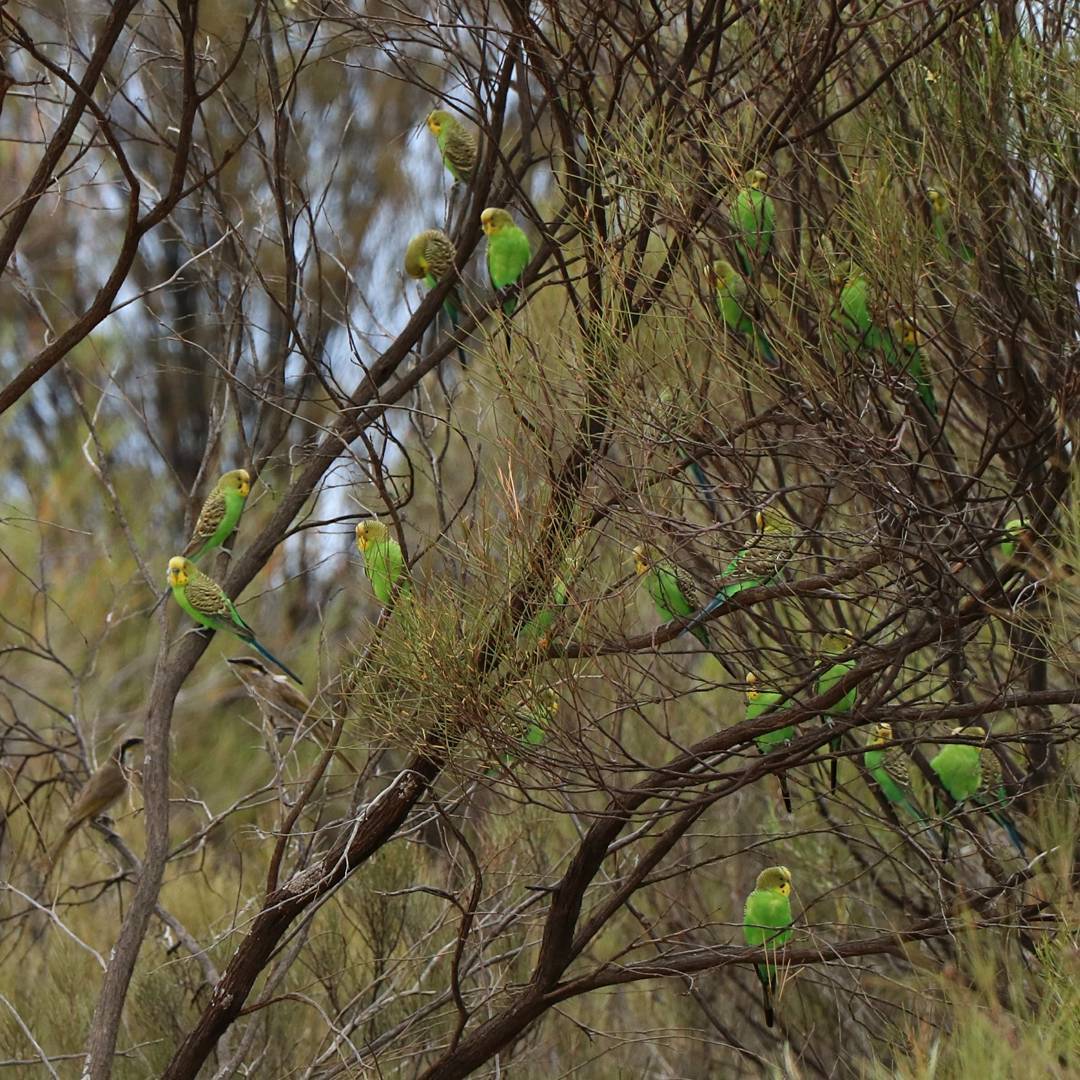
{"type": "Point", "coordinates": [967, 769]}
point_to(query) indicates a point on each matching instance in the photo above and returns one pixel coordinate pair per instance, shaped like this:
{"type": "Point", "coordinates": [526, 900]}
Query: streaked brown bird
{"type": "Point", "coordinates": [283, 707]}
{"type": "Point", "coordinates": [103, 789]}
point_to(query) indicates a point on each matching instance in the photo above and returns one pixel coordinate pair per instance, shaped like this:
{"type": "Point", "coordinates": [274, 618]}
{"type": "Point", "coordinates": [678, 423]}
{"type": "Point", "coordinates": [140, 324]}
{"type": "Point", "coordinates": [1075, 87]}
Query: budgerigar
{"type": "Point", "coordinates": [457, 144]}
{"type": "Point", "coordinates": [970, 775]}
{"type": "Point", "coordinates": [673, 597]}
{"type": "Point", "coordinates": [429, 258]}
{"type": "Point", "coordinates": [731, 300]}
{"type": "Point", "coordinates": [767, 924]}
{"type": "Point", "coordinates": [941, 221]}
{"type": "Point", "coordinates": [853, 314]}
{"type": "Point", "coordinates": [384, 563]}
{"type": "Point", "coordinates": [913, 362]}
{"type": "Point", "coordinates": [761, 560]}
{"type": "Point", "coordinates": [508, 251]}
{"type": "Point", "coordinates": [759, 702]}
{"type": "Point", "coordinates": [103, 789]}
{"type": "Point", "coordinates": [753, 216]}
{"type": "Point", "coordinates": [1014, 535]}
{"type": "Point", "coordinates": [890, 769]}
{"type": "Point", "coordinates": [834, 645]}
{"type": "Point", "coordinates": [205, 601]}
{"type": "Point", "coordinates": [220, 514]}
{"type": "Point", "coordinates": [531, 722]}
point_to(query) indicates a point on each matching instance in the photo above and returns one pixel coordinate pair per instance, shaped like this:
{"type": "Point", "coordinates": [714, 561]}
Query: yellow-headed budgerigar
{"type": "Point", "coordinates": [456, 142]}
{"type": "Point", "coordinates": [761, 560]}
{"type": "Point", "coordinates": [429, 258]}
{"type": "Point", "coordinates": [384, 562]}
{"type": "Point", "coordinates": [767, 924]}
{"type": "Point", "coordinates": [508, 251]}
{"type": "Point", "coordinates": [758, 703]}
{"type": "Point", "coordinates": [220, 513]}
{"type": "Point", "coordinates": [913, 361]}
{"type": "Point", "coordinates": [673, 597]}
{"type": "Point", "coordinates": [753, 216]}
{"type": "Point", "coordinates": [732, 295]}
{"type": "Point", "coordinates": [861, 333]}
{"type": "Point", "coordinates": [833, 646]}
{"type": "Point", "coordinates": [205, 601]}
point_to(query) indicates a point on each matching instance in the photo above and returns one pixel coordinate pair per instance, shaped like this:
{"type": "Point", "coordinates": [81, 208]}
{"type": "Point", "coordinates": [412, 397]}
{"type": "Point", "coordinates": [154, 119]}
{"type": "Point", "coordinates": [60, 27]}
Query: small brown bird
{"type": "Point", "coordinates": [103, 789]}
{"type": "Point", "coordinates": [283, 707]}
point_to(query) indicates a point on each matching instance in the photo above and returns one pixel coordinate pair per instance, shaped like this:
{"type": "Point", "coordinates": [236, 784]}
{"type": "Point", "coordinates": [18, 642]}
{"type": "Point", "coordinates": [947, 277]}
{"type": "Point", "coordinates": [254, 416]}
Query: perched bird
{"type": "Point", "coordinates": [834, 645]}
{"type": "Point", "coordinates": [731, 299]}
{"type": "Point", "coordinates": [508, 251]}
{"type": "Point", "coordinates": [278, 700]}
{"type": "Point", "coordinates": [759, 702]}
{"type": "Point", "coordinates": [890, 769]}
{"type": "Point", "coordinates": [205, 601]}
{"type": "Point", "coordinates": [968, 774]}
{"type": "Point", "coordinates": [103, 789]}
{"type": "Point", "coordinates": [912, 361]}
{"type": "Point", "coordinates": [753, 216]}
{"type": "Point", "coordinates": [220, 514]}
{"type": "Point", "coordinates": [761, 560]}
{"type": "Point", "coordinates": [530, 724]}
{"type": "Point", "coordinates": [384, 563]}
{"type": "Point", "coordinates": [429, 258]}
{"type": "Point", "coordinates": [853, 314]}
{"type": "Point", "coordinates": [767, 924]}
{"type": "Point", "coordinates": [1015, 531]}
{"type": "Point", "coordinates": [941, 221]}
{"type": "Point", "coordinates": [457, 144]}
{"type": "Point", "coordinates": [674, 598]}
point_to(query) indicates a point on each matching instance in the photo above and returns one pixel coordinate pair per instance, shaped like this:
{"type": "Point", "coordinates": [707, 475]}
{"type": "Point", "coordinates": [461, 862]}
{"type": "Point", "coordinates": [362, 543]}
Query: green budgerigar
{"type": "Point", "coordinates": [753, 216]}
{"type": "Point", "coordinates": [673, 597]}
{"type": "Point", "coordinates": [456, 142]}
{"type": "Point", "coordinates": [759, 702]}
{"type": "Point", "coordinates": [530, 724]}
{"type": "Point", "coordinates": [969, 774]}
{"type": "Point", "coordinates": [913, 361]}
{"type": "Point", "coordinates": [890, 769]}
{"type": "Point", "coordinates": [862, 334]}
{"type": "Point", "coordinates": [834, 645]}
{"type": "Point", "coordinates": [508, 251]}
{"type": "Point", "coordinates": [384, 562]}
{"type": "Point", "coordinates": [220, 514]}
{"type": "Point", "coordinates": [429, 258]}
{"type": "Point", "coordinates": [941, 221]}
{"type": "Point", "coordinates": [205, 601]}
{"type": "Point", "coordinates": [731, 300]}
{"type": "Point", "coordinates": [767, 922]}
{"type": "Point", "coordinates": [761, 560]}
{"type": "Point", "coordinates": [1015, 533]}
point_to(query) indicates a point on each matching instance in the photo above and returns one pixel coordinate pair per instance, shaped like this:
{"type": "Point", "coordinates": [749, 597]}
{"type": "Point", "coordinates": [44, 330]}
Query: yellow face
{"type": "Point", "coordinates": [969, 733]}
{"type": "Point", "coordinates": [239, 480]}
{"type": "Point", "coordinates": [721, 272]}
{"type": "Point", "coordinates": [883, 733]}
{"type": "Point", "coordinates": [362, 535]}
{"type": "Point", "coordinates": [775, 879]}
{"type": "Point", "coordinates": [488, 221]}
{"type": "Point", "coordinates": [751, 686]}
{"type": "Point", "coordinates": [937, 200]}
{"type": "Point", "coordinates": [759, 521]}
{"type": "Point", "coordinates": [369, 532]}
{"type": "Point", "coordinates": [641, 564]}
{"type": "Point", "coordinates": [757, 179]}
{"type": "Point", "coordinates": [178, 572]}
{"type": "Point", "coordinates": [435, 121]}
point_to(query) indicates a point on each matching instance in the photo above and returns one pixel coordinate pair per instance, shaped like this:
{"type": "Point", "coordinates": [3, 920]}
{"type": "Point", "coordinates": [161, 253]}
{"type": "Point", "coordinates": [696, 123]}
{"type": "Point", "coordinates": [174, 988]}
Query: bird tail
{"type": "Point", "coordinates": [834, 764]}
{"type": "Point", "coordinates": [1010, 828]}
{"type": "Point", "coordinates": [703, 486]}
{"type": "Point", "coordinates": [765, 349]}
{"type": "Point", "coordinates": [702, 635]}
{"type": "Point", "coordinates": [926, 392]}
{"type": "Point", "coordinates": [454, 312]}
{"type": "Point", "coordinates": [275, 661]}
{"type": "Point", "coordinates": [767, 987]}
{"type": "Point", "coordinates": [744, 259]}
{"type": "Point", "coordinates": [785, 793]}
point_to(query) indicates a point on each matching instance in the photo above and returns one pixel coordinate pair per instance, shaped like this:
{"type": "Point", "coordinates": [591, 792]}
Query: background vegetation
{"type": "Point", "coordinates": [205, 211]}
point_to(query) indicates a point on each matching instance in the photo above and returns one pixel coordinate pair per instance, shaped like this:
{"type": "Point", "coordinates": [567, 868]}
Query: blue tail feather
{"type": "Point", "coordinates": [275, 661]}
